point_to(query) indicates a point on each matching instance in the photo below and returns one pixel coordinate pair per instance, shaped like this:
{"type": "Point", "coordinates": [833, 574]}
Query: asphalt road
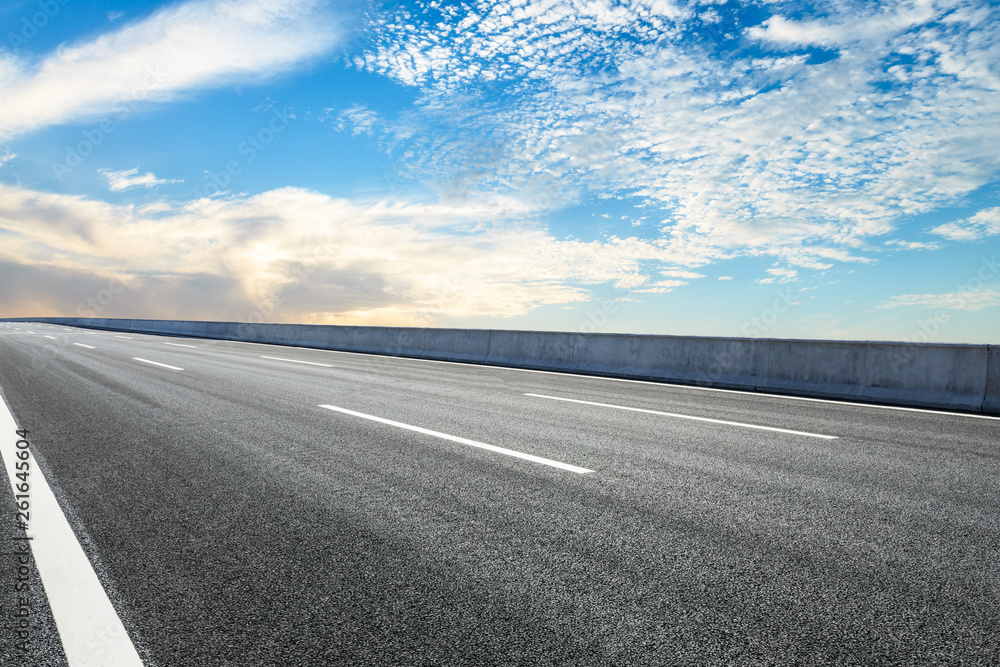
{"type": "Point", "coordinates": [235, 521]}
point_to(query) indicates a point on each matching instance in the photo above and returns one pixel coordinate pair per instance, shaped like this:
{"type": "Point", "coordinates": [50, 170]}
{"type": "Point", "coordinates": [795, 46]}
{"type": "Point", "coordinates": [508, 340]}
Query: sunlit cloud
{"type": "Point", "coordinates": [303, 256]}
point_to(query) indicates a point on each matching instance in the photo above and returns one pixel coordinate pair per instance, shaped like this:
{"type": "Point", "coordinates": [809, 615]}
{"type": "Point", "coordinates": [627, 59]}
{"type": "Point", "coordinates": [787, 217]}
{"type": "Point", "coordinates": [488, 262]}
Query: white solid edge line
{"type": "Point", "coordinates": [180, 345]}
{"type": "Point", "coordinates": [90, 347]}
{"type": "Point", "coordinates": [296, 361]}
{"type": "Point", "coordinates": [156, 363]}
{"type": "Point", "coordinates": [89, 627]}
{"type": "Point", "coordinates": [679, 416]}
{"type": "Point", "coordinates": [464, 441]}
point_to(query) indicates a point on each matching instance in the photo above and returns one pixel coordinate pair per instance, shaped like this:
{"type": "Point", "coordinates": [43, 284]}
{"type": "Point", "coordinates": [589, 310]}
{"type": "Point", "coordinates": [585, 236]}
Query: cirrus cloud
{"type": "Point", "coordinates": [742, 145]}
{"type": "Point", "coordinates": [177, 50]}
{"type": "Point", "coordinates": [968, 300]}
{"type": "Point", "coordinates": [131, 178]}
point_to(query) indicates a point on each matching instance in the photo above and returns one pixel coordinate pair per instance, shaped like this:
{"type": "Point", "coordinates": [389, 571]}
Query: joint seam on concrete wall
{"type": "Point", "coordinates": [986, 381]}
{"type": "Point", "coordinates": [767, 365]}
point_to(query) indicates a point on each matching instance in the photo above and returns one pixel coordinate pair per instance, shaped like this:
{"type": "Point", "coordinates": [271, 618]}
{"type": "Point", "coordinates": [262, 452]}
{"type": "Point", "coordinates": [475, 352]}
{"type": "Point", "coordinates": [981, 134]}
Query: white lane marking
{"type": "Point", "coordinates": [87, 346]}
{"type": "Point", "coordinates": [31, 332]}
{"type": "Point", "coordinates": [679, 416]}
{"type": "Point", "coordinates": [156, 363]}
{"type": "Point", "coordinates": [464, 441]}
{"type": "Point", "coordinates": [125, 337]}
{"type": "Point", "coordinates": [180, 345]}
{"type": "Point", "coordinates": [296, 361]}
{"type": "Point", "coordinates": [52, 337]}
{"type": "Point", "coordinates": [88, 625]}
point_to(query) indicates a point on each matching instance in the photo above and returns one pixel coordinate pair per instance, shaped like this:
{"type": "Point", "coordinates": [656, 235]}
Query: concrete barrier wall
{"type": "Point", "coordinates": [965, 377]}
{"type": "Point", "coordinates": [605, 354]}
{"type": "Point", "coordinates": [935, 374]}
{"type": "Point", "coordinates": [715, 362]}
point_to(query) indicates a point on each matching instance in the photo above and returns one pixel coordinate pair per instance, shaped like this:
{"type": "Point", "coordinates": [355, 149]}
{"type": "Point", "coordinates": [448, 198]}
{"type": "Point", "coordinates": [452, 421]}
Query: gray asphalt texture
{"type": "Point", "coordinates": [235, 522]}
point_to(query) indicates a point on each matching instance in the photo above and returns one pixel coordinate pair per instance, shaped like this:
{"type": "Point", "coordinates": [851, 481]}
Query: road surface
{"type": "Point", "coordinates": [245, 504]}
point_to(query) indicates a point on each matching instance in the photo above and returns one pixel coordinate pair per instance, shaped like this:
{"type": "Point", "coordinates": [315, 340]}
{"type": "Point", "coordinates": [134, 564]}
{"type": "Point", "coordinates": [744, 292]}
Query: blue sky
{"type": "Point", "coordinates": [777, 169]}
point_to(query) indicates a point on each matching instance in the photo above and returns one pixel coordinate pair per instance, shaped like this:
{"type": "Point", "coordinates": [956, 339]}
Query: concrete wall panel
{"type": "Point", "coordinates": [728, 362]}
{"type": "Point", "coordinates": [833, 368]}
{"type": "Point", "coordinates": [606, 354]}
{"type": "Point", "coordinates": [933, 375]}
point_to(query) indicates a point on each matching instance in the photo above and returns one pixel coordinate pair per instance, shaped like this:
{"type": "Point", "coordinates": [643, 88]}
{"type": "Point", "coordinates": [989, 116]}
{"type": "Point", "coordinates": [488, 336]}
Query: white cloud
{"type": "Point", "coordinates": [631, 280]}
{"type": "Point", "coordinates": [725, 277]}
{"type": "Point", "coordinates": [131, 178]}
{"type": "Point", "coordinates": [178, 49]}
{"type": "Point", "coordinates": [862, 25]}
{"type": "Point", "coordinates": [781, 275]}
{"type": "Point", "coordinates": [304, 256]}
{"type": "Point", "coordinates": [6, 157]}
{"type": "Point", "coordinates": [780, 29]}
{"type": "Point", "coordinates": [963, 300]}
{"type": "Point", "coordinates": [982, 224]}
{"type": "Point", "coordinates": [675, 273]}
{"type": "Point", "coordinates": [156, 207]}
{"type": "Point", "coordinates": [912, 245]}
{"type": "Point", "coordinates": [661, 286]}
{"type": "Point", "coordinates": [356, 119]}
{"type": "Point", "coordinates": [763, 155]}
